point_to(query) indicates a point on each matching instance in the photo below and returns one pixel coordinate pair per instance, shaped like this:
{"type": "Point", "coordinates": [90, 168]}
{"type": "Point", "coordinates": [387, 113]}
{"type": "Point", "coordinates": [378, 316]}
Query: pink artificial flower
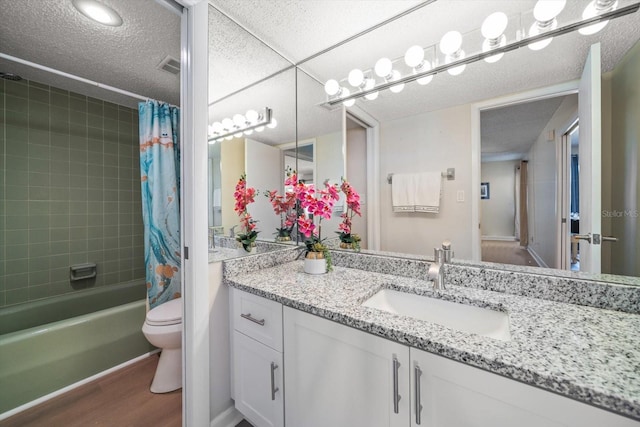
{"type": "Point", "coordinates": [306, 226]}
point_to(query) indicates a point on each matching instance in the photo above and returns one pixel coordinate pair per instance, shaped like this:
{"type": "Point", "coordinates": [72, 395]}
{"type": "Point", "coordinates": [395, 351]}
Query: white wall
{"type": "Point", "coordinates": [498, 212]}
{"type": "Point", "coordinates": [329, 165]}
{"type": "Point", "coordinates": [264, 167]}
{"type": "Point", "coordinates": [432, 141]}
{"type": "Point", "coordinates": [542, 184]}
{"type": "Point", "coordinates": [231, 167]}
{"type": "Point", "coordinates": [219, 343]}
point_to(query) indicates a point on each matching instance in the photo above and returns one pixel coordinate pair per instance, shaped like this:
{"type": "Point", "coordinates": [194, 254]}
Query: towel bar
{"type": "Point", "coordinates": [450, 174]}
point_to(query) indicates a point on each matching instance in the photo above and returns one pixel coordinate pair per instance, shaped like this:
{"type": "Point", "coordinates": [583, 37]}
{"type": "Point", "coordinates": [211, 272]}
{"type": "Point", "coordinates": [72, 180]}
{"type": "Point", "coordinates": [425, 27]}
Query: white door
{"type": "Point", "coordinates": [258, 385]}
{"type": "Point", "coordinates": [590, 161]}
{"type": "Point", "coordinates": [339, 376]}
{"type": "Point", "coordinates": [264, 166]}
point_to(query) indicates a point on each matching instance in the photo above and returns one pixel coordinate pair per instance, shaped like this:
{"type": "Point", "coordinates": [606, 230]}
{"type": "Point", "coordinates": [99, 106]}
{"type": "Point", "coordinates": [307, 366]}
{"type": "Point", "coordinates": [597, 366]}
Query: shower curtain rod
{"type": "Point", "coordinates": [74, 77]}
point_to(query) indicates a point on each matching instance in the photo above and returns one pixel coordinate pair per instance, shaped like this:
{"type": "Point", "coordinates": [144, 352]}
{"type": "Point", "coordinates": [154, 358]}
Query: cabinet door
{"type": "Point", "coordinates": [342, 377]}
{"type": "Point", "coordinates": [453, 394]}
{"type": "Point", "coordinates": [257, 377]}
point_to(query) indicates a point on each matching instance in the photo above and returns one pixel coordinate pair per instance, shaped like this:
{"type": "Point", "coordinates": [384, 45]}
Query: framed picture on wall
{"type": "Point", "coordinates": [484, 190]}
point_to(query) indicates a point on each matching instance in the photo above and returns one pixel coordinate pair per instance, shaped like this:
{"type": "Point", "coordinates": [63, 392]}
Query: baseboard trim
{"type": "Point", "coordinates": [70, 387]}
{"type": "Point", "coordinates": [537, 258]}
{"type": "Point", "coordinates": [503, 238]}
{"type": "Point", "coordinates": [229, 418]}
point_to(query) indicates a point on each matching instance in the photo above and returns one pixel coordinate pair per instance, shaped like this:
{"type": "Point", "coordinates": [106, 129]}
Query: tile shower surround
{"type": "Point", "coordinates": [69, 191]}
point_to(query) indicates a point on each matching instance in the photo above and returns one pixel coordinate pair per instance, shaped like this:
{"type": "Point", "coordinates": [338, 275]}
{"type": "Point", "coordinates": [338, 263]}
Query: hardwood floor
{"type": "Point", "coordinates": [119, 399]}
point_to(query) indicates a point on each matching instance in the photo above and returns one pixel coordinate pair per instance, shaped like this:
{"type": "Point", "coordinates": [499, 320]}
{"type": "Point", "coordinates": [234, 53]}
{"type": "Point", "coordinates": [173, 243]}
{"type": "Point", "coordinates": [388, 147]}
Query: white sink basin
{"type": "Point", "coordinates": [465, 318]}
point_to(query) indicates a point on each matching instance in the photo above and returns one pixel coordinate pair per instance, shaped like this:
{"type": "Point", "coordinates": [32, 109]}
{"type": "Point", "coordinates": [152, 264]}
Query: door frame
{"type": "Point", "coordinates": [563, 153]}
{"type": "Point", "coordinates": [561, 89]}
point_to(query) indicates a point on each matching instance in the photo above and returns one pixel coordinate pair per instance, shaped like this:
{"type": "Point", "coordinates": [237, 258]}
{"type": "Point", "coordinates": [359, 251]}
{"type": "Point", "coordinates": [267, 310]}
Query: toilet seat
{"type": "Point", "coordinates": [169, 313]}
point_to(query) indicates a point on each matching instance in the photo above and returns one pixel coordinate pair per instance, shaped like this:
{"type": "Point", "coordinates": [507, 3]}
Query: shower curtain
{"type": "Point", "coordinates": [160, 183]}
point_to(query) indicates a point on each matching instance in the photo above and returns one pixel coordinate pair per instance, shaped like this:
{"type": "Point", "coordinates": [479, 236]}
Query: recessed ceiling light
{"type": "Point", "coordinates": [98, 12]}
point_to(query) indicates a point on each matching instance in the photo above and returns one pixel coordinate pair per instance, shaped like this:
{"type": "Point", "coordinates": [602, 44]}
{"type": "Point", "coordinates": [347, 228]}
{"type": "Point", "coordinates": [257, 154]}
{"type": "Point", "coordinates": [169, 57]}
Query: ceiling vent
{"type": "Point", "coordinates": [170, 64]}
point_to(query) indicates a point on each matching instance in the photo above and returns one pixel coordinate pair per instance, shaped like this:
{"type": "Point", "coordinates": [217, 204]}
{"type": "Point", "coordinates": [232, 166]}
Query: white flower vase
{"type": "Point", "coordinates": [242, 252]}
{"type": "Point", "coordinates": [315, 265]}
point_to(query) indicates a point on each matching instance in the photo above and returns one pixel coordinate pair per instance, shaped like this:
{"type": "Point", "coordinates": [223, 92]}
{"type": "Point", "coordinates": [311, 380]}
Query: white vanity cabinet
{"type": "Point", "coordinates": [336, 375]}
{"type": "Point", "coordinates": [257, 359]}
{"type": "Point", "coordinates": [453, 394]}
{"type": "Point", "coordinates": [339, 376]}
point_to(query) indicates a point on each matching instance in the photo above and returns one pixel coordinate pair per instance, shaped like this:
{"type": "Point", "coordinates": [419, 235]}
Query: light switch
{"type": "Point", "coordinates": [460, 196]}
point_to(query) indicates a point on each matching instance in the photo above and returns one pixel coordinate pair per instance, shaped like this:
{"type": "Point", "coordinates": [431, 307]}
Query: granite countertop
{"type": "Point", "coordinates": [589, 354]}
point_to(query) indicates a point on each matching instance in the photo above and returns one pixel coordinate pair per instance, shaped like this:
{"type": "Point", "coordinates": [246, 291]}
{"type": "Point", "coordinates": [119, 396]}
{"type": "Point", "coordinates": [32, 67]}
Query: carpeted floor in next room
{"type": "Point", "coordinates": [506, 252]}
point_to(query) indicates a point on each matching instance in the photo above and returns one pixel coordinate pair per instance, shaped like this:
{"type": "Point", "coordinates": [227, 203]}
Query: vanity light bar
{"type": "Point", "coordinates": [265, 119]}
{"type": "Point", "coordinates": [480, 56]}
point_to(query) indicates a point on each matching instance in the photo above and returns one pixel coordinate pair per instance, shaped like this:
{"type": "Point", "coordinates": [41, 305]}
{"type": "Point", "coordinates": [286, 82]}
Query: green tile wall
{"type": "Point", "coordinates": [69, 191]}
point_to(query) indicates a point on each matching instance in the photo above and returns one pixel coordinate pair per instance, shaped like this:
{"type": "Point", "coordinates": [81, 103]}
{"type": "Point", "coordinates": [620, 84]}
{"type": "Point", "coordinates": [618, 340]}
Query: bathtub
{"type": "Point", "coordinates": [49, 344]}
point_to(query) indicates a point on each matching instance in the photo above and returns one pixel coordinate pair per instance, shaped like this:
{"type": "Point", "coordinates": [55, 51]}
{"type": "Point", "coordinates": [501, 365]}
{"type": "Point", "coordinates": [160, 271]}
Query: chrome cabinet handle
{"type": "Point", "coordinates": [253, 319]}
{"type": "Point", "coordinates": [396, 395]}
{"type": "Point", "coordinates": [417, 373]}
{"type": "Point", "coordinates": [274, 389]}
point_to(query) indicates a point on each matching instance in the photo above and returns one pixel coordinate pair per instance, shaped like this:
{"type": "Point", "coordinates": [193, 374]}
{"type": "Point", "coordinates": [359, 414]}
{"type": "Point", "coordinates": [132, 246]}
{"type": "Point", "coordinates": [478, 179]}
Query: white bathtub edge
{"type": "Point", "coordinates": [70, 387]}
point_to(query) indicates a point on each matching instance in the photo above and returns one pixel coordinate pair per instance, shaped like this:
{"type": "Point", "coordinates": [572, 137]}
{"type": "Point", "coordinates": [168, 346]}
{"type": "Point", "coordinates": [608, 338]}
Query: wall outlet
{"type": "Point", "coordinates": [460, 196]}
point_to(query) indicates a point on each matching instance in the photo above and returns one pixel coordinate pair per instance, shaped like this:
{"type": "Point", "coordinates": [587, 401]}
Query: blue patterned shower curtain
{"type": "Point", "coordinates": [160, 181]}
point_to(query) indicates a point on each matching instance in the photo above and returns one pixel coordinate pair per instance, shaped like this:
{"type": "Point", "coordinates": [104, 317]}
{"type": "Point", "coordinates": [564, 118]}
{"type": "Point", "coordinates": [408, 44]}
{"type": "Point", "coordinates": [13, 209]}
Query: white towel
{"type": "Point", "coordinates": [428, 190]}
{"type": "Point", "coordinates": [403, 192]}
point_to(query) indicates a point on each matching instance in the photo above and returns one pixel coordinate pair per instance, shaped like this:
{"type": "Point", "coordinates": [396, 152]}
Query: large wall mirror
{"type": "Point", "coordinates": [246, 74]}
{"type": "Point", "coordinates": [509, 124]}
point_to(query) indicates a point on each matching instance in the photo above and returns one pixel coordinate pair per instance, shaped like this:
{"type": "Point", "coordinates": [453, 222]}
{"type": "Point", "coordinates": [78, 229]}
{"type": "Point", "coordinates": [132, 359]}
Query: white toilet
{"type": "Point", "coordinates": [163, 328]}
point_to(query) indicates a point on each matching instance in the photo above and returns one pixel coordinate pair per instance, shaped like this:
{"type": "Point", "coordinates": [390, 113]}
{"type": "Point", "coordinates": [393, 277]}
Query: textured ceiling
{"type": "Point", "coordinates": [508, 133]}
{"type": "Point", "coordinates": [54, 34]}
{"type": "Point", "coordinates": [298, 29]}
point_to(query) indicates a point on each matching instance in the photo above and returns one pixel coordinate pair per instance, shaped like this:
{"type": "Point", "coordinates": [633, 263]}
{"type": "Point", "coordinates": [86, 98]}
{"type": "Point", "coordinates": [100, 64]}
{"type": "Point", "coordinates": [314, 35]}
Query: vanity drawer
{"type": "Point", "coordinates": [258, 318]}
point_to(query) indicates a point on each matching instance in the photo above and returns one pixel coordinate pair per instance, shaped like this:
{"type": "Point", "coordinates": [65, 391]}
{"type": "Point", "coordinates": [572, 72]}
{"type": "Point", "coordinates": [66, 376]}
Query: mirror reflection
{"type": "Point", "coordinates": [441, 125]}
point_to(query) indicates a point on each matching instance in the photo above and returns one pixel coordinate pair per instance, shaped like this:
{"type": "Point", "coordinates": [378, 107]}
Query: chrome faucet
{"type": "Point", "coordinates": [441, 256]}
{"type": "Point", "coordinates": [212, 241]}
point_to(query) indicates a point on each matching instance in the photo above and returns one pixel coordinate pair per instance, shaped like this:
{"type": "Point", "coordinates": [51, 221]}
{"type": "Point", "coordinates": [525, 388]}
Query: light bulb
{"type": "Point", "coordinates": [589, 12]}
{"type": "Point", "coordinates": [237, 135]}
{"type": "Point", "coordinates": [210, 130]}
{"type": "Point", "coordinates": [259, 128]}
{"type": "Point", "coordinates": [217, 127]}
{"type": "Point", "coordinates": [332, 87]}
{"type": "Point", "coordinates": [248, 132]}
{"type": "Point", "coordinates": [346, 92]}
{"type": "Point", "coordinates": [368, 85]}
{"type": "Point", "coordinates": [547, 10]}
{"type": "Point", "coordinates": [227, 123]}
{"type": "Point", "coordinates": [239, 120]}
{"type": "Point", "coordinates": [414, 56]}
{"type": "Point", "coordinates": [490, 44]}
{"type": "Point", "coordinates": [494, 25]}
{"type": "Point", "coordinates": [395, 75]}
{"type": "Point", "coordinates": [383, 67]}
{"type": "Point", "coordinates": [252, 116]}
{"type": "Point", "coordinates": [356, 77]}
{"type": "Point", "coordinates": [450, 42]}
{"type": "Point", "coordinates": [426, 66]}
{"type": "Point", "coordinates": [229, 138]}
{"type": "Point", "coordinates": [455, 71]}
{"type": "Point", "coordinates": [539, 45]}
{"type": "Point", "coordinates": [273, 123]}
{"type": "Point", "coordinates": [372, 96]}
